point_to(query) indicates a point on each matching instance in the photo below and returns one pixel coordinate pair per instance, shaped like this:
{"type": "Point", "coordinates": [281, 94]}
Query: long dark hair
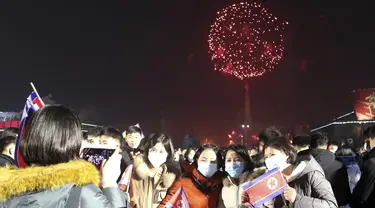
{"type": "Point", "coordinates": [153, 139]}
{"type": "Point", "coordinates": [242, 152]}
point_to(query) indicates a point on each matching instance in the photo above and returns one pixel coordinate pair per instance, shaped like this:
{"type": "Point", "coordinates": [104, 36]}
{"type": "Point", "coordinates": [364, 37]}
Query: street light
{"type": "Point", "coordinates": [245, 127]}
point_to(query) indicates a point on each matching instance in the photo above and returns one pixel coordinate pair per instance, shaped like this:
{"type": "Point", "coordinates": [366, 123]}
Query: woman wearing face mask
{"type": "Point", "coordinates": [186, 163]}
{"type": "Point", "coordinates": [238, 166]}
{"type": "Point", "coordinates": [151, 177]}
{"type": "Point", "coordinates": [306, 183]}
{"type": "Point", "coordinates": [203, 185]}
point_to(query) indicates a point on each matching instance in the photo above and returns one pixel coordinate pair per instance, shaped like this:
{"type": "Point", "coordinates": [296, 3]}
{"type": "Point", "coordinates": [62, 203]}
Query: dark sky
{"type": "Point", "coordinates": [123, 62]}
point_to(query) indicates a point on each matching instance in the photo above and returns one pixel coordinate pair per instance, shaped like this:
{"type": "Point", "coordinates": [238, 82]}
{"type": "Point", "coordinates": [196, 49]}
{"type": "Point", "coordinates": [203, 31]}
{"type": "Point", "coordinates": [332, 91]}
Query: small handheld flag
{"type": "Point", "coordinates": [178, 200]}
{"type": "Point", "coordinates": [33, 104]}
{"type": "Point", "coordinates": [265, 187]}
{"type": "Point", "coordinates": [124, 183]}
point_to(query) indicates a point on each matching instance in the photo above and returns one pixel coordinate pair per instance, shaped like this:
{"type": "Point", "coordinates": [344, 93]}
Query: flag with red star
{"type": "Point", "coordinates": [265, 187]}
{"type": "Point", "coordinates": [178, 200]}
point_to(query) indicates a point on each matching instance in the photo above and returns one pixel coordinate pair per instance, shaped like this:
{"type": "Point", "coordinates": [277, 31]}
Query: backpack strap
{"type": "Point", "coordinates": [74, 197]}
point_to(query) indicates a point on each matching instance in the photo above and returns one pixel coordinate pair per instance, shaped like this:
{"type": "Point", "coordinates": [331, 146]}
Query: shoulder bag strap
{"type": "Point", "coordinates": [74, 197]}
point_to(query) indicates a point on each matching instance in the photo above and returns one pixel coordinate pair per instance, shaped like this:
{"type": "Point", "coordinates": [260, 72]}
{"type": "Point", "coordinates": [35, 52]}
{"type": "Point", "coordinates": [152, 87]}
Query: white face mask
{"type": "Point", "coordinates": [207, 169]}
{"type": "Point", "coordinates": [234, 169]}
{"type": "Point", "coordinates": [157, 159]}
{"type": "Point", "coordinates": [275, 162]}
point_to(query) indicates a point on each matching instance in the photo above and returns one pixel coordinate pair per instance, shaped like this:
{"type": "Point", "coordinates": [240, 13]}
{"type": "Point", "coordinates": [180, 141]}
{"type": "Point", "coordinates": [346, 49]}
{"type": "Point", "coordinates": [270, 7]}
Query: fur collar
{"type": "Point", "coordinates": [142, 171]}
{"type": "Point", "coordinates": [14, 181]}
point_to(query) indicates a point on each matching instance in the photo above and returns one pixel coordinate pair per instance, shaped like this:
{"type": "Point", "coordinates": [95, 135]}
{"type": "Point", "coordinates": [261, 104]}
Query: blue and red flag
{"type": "Point", "coordinates": [125, 179]}
{"type": "Point", "coordinates": [178, 200]}
{"type": "Point", "coordinates": [265, 187]}
{"type": "Point", "coordinates": [33, 104]}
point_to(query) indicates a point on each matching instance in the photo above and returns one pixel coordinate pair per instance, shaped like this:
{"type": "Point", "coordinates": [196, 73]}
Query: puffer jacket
{"type": "Point", "coordinates": [313, 189]}
{"type": "Point", "coordinates": [50, 187]}
{"type": "Point", "coordinates": [352, 167]}
{"type": "Point", "coordinates": [335, 172]}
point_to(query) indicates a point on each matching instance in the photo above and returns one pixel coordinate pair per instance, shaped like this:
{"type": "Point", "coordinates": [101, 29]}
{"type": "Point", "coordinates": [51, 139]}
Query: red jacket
{"type": "Point", "coordinates": [194, 190]}
{"type": "Point", "coordinates": [186, 167]}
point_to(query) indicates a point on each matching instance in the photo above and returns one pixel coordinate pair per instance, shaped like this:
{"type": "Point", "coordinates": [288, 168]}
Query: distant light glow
{"type": "Point", "coordinates": [246, 40]}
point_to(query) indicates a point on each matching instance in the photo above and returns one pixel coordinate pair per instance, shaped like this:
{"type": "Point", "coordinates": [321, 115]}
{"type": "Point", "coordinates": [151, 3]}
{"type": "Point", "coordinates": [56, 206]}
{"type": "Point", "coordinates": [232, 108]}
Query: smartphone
{"type": "Point", "coordinates": [96, 155]}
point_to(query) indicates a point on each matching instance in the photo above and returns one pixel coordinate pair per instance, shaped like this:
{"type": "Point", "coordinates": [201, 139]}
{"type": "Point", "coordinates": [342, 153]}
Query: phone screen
{"type": "Point", "coordinates": [96, 155]}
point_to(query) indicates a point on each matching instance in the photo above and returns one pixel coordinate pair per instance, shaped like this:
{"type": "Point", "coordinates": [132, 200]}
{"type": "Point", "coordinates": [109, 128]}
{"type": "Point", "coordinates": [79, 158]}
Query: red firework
{"type": "Point", "coordinates": [246, 40]}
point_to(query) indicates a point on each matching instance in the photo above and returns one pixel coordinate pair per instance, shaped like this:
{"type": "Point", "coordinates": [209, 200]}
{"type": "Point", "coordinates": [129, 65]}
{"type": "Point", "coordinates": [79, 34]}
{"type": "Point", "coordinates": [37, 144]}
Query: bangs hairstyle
{"type": "Point", "coordinates": [282, 144]}
{"type": "Point", "coordinates": [153, 139]}
{"type": "Point", "coordinates": [242, 152]}
{"type": "Point", "coordinates": [216, 149]}
{"type": "Point", "coordinates": [53, 135]}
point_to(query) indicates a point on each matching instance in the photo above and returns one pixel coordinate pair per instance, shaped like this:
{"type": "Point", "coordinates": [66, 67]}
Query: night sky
{"type": "Point", "coordinates": [123, 62]}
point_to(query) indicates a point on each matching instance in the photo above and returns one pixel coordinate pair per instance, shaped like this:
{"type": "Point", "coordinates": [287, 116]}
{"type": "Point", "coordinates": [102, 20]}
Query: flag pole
{"type": "Point", "coordinates": [32, 86]}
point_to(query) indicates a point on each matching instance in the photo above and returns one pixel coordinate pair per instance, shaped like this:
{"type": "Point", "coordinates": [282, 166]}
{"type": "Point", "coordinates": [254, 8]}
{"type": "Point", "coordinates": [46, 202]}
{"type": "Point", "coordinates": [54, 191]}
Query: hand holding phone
{"type": "Point", "coordinates": [111, 170]}
{"type": "Point", "coordinates": [96, 156]}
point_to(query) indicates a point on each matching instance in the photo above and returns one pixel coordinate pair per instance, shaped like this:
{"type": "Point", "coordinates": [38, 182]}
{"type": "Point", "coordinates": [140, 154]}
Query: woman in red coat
{"type": "Point", "coordinates": [202, 186]}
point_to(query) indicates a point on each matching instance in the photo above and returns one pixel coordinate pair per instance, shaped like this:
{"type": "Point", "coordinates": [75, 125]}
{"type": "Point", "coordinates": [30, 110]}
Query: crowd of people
{"type": "Point", "coordinates": [319, 172]}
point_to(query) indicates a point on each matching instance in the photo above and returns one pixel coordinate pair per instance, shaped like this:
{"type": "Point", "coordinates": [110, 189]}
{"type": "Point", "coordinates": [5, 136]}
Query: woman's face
{"type": "Point", "coordinates": [157, 155]}
{"type": "Point", "coordinates": [159, 149]}
{"type": "Point", "coordinates": [208, 156]}
{"type": "Point", "coordinates": [232, 156]}
{"type": "Point", "coordinates": [275, 158]}
{"type": "Point", "coordinates": [207, 163]}
{"type": "Point", "coordinates": [234, 164]}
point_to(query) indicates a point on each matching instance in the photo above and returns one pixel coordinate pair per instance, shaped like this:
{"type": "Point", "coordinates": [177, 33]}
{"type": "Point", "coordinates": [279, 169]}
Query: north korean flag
{"type": "Point", "coordinates": [178, 200]}
{"type": "Point", "coordinates": [265, 187]}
